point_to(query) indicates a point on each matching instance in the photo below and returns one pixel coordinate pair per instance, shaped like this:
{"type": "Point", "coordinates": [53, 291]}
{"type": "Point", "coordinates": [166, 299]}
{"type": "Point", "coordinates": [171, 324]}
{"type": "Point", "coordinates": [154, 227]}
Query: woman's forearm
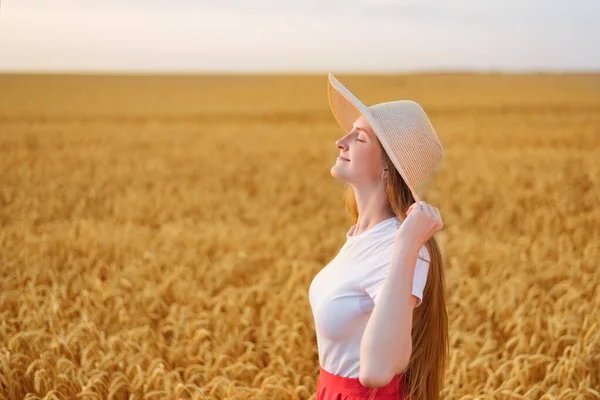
{"type": "Point", "coordinates": [386, 343]}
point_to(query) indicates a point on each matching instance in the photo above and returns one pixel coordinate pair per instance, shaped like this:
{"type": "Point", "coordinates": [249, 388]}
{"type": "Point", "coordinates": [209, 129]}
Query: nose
{"type": "Point", "coordinates": [341, 144]}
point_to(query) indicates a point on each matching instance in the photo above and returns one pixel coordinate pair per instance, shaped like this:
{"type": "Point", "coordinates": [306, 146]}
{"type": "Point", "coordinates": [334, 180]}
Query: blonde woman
{"type": "Point", "coordinates": [379, 305]}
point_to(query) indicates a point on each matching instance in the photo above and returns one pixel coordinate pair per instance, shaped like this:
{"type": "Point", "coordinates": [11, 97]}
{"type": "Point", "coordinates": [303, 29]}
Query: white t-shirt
{"type": "Point", "coordinates": [343, 294]}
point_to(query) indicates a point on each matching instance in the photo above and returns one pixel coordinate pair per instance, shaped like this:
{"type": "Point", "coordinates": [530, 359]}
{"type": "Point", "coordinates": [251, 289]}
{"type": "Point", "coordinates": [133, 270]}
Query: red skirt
{"type": "Point", "coordinates": [334, 387]}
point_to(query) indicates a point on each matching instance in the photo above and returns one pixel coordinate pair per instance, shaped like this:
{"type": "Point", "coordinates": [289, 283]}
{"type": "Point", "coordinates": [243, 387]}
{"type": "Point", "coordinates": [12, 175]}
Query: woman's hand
{"type": "Point", "coordinates": [422, 222]}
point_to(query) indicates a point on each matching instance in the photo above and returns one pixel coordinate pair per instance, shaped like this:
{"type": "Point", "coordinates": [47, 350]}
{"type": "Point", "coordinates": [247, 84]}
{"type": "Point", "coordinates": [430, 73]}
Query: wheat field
{"type": "Point", "coordinates": [158, 234]}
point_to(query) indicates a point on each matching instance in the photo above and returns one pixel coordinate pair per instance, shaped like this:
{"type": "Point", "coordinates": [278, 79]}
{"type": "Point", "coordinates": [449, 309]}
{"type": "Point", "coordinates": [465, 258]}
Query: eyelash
{"type": "Point", "coordinates": [358, 140]}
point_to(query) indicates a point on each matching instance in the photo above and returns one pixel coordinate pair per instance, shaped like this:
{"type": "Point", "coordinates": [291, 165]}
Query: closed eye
{"type": "Point", "coordinates": [358, 140]}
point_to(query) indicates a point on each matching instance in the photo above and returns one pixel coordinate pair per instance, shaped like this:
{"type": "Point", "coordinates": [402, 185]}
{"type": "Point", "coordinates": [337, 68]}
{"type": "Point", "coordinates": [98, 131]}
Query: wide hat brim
{"type": "Point", "coordinates": [402, 127]}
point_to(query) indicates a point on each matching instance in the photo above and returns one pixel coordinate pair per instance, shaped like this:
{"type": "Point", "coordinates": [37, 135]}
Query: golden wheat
{"type": "Point", "coordinates": [158, 234]}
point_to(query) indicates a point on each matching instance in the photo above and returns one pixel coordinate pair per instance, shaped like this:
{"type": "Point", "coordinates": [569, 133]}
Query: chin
{"type": "Point", "coordinates": [336, 175]}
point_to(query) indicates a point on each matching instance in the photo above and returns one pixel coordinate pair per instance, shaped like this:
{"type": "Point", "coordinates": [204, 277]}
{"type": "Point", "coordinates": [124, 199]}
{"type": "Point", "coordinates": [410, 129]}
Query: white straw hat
{"type": "Point", "coordinates": [402, 127]}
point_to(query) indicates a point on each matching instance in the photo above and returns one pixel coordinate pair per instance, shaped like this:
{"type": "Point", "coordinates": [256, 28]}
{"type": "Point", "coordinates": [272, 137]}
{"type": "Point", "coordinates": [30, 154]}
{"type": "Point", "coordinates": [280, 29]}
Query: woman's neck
{"type": "Point", "coordinates": [372, 207]}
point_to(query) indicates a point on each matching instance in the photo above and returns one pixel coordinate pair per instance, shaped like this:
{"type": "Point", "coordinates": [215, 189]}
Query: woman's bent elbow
{"type": "Point", "coordinates": [374, 380]}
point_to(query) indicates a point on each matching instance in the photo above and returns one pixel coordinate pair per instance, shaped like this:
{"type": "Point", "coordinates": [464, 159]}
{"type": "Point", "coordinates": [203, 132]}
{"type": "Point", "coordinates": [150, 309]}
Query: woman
{"type": "Point", "coordinates": [379, 305]}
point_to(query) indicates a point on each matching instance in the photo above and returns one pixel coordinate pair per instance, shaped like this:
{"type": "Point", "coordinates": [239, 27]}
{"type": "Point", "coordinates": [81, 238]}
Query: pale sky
{"type": "Point", "coordinates": [299, 36]}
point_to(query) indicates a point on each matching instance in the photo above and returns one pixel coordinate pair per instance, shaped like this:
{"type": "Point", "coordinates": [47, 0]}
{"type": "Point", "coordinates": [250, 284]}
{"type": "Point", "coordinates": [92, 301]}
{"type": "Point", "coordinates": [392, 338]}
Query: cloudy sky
{"type": "Point", "coordinates": [299, 36]}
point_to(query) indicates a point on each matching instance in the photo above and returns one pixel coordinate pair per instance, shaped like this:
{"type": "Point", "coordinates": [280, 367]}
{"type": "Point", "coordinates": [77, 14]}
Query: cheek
{"type": "Point", "coordinates": [367, 160]}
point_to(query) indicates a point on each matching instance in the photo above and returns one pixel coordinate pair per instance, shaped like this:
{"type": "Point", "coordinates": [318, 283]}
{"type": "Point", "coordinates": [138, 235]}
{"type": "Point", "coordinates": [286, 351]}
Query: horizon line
{"type": "Point", "coordinates": [420, 71]}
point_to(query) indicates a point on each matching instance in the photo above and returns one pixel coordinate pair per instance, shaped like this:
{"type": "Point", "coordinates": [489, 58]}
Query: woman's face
{"type": "Point", "coordinates": [360, 160]}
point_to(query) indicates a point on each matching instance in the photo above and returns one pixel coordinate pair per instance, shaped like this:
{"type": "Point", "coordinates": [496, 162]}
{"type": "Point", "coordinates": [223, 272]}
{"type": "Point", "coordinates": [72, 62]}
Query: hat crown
{"type": "Point", "coordinates": [408, 133]}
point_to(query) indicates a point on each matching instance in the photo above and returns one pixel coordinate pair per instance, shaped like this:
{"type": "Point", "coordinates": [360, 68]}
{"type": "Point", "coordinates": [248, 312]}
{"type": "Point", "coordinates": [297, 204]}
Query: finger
{"type": "Point", "coordinates": [420, 207]}
{"type": "Point", "coordinates": [430, 211]}
{"type": "Point", "coordinates": [438, 217]}
{"type": "Point", "coordinates": [435, 213]}
{"type": "Point", "coordinates": [434, 229]}
{"type": "Point", "coordinates": [412, 206]}
{"type": "Point", "coordinates": [436, 220]}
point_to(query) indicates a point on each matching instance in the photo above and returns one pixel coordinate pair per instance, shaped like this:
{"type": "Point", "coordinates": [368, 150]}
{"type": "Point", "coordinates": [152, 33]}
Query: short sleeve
{"type": "Point", "coordinates": [372, 285]}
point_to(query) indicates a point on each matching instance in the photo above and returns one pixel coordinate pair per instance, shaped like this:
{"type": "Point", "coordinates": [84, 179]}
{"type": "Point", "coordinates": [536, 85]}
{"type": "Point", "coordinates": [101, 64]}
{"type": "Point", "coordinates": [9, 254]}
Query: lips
{"type": "Point", "coordinates": [343, 158]}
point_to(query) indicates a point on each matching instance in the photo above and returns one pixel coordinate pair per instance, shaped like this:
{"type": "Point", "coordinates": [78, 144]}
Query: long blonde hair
{"type": "Point", "coordinates": [425, 374]}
